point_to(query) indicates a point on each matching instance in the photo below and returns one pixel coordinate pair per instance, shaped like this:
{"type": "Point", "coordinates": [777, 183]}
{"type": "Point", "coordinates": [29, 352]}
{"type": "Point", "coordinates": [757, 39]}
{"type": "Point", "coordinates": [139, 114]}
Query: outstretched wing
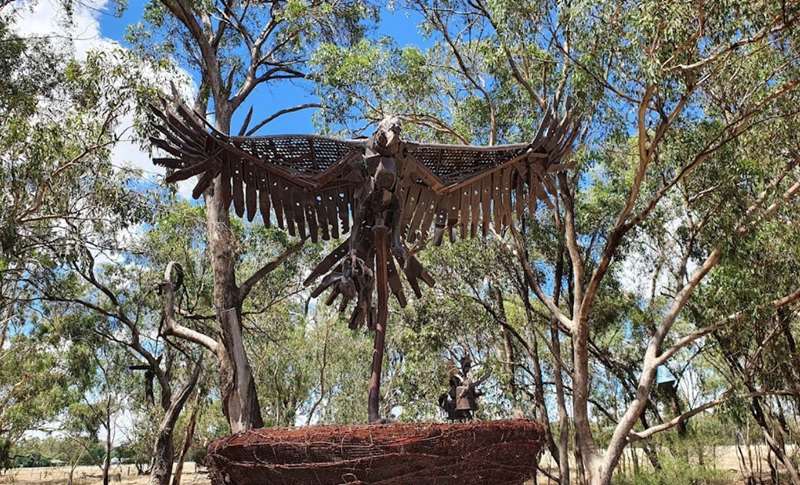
{"type": "Point", "coordinates": [466, 190]}
{"type": "Point", "coordinates": [306, 182]}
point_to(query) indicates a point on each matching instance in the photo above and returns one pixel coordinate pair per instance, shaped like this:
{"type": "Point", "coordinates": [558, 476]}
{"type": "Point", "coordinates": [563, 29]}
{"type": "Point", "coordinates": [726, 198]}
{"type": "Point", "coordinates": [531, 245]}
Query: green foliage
{"type": "Point", "coordinates": [732, 93]}
{"type": "Point", "coordinates": [65, 204]}
{"type": "Point", "coordinates": [40, 374]}
{"type": "Point", "coordinates": [76, 228]}
{"type": "Point", "coordinates": [292, 30]}
{"type": "Point", "coordinates": [29, 461]}
{"type": "Point", "coordinates": [58, 449]}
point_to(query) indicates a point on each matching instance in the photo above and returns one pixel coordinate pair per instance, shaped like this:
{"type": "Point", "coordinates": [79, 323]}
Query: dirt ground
{"type": "Point", "coordinates": [725, 458]}
{"type": "Point", "coordinates": [91, 475]}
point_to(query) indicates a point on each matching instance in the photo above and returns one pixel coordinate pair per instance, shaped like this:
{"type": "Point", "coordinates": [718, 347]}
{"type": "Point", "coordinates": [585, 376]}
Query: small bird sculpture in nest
{"type": "Point", "coordinates": [461, 401]}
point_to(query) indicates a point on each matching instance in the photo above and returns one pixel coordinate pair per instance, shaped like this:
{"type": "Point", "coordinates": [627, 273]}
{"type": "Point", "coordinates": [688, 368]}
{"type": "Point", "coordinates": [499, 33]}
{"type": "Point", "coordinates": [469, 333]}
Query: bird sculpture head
{"type": "Point", "coordinates": [383, 149]}
{"type": "Point", "coordinates": [386, 139]}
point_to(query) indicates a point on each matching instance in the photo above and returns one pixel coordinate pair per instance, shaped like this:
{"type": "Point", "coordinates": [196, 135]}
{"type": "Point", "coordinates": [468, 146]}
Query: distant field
{"type": "Point", "coordinates": [723, 458]}
{"type": "Point", "coordinates": [91, 475]}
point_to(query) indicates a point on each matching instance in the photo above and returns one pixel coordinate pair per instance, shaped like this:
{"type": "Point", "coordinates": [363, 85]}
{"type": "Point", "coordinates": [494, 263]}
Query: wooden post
{"type": "Point", "coordinates": [381, 253]}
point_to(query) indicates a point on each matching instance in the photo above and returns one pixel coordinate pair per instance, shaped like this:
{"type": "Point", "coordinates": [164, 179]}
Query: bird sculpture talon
{"type": "Point", "coordinates": [400, 254]}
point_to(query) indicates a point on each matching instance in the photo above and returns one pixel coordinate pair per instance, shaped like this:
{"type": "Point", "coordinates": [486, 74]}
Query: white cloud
{"type": "Point", "coordinates": [638, 270]}
{"type": "Point", "coordinates": [80, 33]}
{"type": "Point", "coordinates": [128, 153]}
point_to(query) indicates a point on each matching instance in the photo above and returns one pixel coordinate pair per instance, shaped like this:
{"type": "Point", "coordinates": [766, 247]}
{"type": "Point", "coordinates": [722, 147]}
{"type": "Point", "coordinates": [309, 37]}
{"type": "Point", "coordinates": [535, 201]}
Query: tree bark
{"type": "Point", "coordinates": [558, 377]}
{"type": "Point", "coordinates": [772, 436]}
{"type": "Point", "coordinates": [538, 383]}
{"type": "Point", "coordinates": [237, 385]}
{"type": "Point", "coordinates": [163, 453]}
{"type": "Point", "coordinates": [107, 460]}
{"type": "Point", "coordinates": [164, 449]}
{"type": "Point", "coordinates": [590, 454]}
{"type": "Point", "coordinates": [508, 347]}
{"type": "Point", "coordinates": [187, 441]}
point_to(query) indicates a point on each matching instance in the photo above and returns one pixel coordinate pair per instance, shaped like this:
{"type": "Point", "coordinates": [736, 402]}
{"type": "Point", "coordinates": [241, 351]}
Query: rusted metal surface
{"type": "Point", "coordinates": [323, 188]}
{"type": "Point", "coordinates": [314, 183]}
{"type": "Point", "coordinates": [475, 453]}
{"type": "Point", "coordinates": [461, 401]}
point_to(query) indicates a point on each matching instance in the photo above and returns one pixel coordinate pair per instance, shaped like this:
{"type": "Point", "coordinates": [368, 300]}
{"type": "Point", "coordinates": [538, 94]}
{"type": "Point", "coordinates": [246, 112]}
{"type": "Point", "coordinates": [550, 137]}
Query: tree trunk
{"type": "Point", "coordinates": [558, 377]}
{"type": "Point", "coordinates": [606, 464]}
{"type": "Point", "coordinates": [773, 437]}
{"type": "Point", "coordinates": [536, 371]}
{"type": "Point", "coordinates": [164, 449]}
{"type": "Point", "coordinates": [163, 453]}
{"type": "Point", "coordinates": [649, 448]}
{"type": "Point", "coordinates": [237, 386]}
{"type": "Point", "coordinates": [187, 441]}
{"type": "Point", "coordinates": [538, 392]}
{"type": "Point", "coordinates": [71, 476]}
{"type": "Point", "coordinates": [768, 428]}
{"type": "Point", "coordinates": [508, 347]}
{"type": "Point", "coordinates": [589, 453]}
{"type": "Point", "coordinates": [107, 460]}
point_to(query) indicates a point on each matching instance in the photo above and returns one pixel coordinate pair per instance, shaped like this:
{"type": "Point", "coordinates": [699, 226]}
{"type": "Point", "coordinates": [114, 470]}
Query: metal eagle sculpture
{"type": "Point", "coordinates": [384, 191]}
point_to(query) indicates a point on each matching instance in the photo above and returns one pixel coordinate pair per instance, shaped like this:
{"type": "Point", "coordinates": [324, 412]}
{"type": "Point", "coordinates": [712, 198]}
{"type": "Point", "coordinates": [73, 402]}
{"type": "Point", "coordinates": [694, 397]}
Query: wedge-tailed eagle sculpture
{"type": "Point", "coordinates": [381, 194]}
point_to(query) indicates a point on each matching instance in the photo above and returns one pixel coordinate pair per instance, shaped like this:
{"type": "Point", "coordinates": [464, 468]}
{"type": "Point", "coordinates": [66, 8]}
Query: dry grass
{"type": "Point", "coordinates": [724, 458]}
{"type": "Point", "coordinates": [91, 475]}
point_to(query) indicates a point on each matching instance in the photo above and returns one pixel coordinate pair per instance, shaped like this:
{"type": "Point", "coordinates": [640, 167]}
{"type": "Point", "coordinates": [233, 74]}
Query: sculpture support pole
{"type": "Point", "coordinates": [381, 253]}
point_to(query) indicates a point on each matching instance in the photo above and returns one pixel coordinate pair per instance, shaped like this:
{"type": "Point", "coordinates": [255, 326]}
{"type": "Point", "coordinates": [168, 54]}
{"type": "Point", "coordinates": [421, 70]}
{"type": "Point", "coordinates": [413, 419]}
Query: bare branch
{"type": "Point", "coordinates": [571, 242]}
{"type": "Point", "coordinates": [729, 133]}
{"type": "Point", "coordinates": [172, 326]}
{"type": "Point", "coordinates": [762, 34]}
{"type": "Point", "coordinates": [281, 71]}
{"type": "Point", "coordinates": [515, 71]}
{"type": "Point", "coordinates": [688, 339]}
{"type": "Point", "coordinates": [442, 26]}
{"type": "Point", "coordinates": [247, 286]}
{"type": "Point", "coordinates": [640, 435]}
{"type": "Point", "coordinates": [280, 113]}
{"type": "Point", "coordinates": [533, 281]}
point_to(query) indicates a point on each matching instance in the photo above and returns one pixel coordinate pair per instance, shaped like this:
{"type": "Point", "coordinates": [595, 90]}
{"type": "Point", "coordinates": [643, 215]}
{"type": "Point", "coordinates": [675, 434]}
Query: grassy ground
{"type": "Point", "coordinates": [719, 465]}
{"type": "Point", "coordinates": [91, 475]}
{"type": "Point", "coordinates": [722, 467]}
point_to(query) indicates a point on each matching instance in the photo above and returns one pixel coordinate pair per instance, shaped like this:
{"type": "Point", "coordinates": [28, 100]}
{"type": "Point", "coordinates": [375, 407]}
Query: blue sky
{"type": "Point", "coordinates": [93, 26]}
{"type": "Point", "coordinates": [399, 24]}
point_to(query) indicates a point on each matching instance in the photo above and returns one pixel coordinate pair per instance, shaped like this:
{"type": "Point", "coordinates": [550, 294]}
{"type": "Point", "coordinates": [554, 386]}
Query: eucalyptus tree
{"type": "Point", "coordinates": [758, 357]}
{"type": "Point", "coordinates": [90, 422]}
{"type": "Point", "coordinates": [685, 108]}
{"type": "Point", "coordinates": [71, 211]}
{"type": "Point", "coordinates": [52, 131]}
{"type": "Point", "coordinates": [42, 372]}
{"type": "Point", "coordinates": [123, 292]}
{"type": "Point", "coordinates": [234, 48]}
